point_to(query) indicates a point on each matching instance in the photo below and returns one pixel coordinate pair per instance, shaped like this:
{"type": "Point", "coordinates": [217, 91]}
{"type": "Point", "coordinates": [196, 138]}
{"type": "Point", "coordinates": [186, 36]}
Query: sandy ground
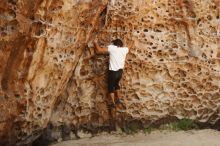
{"type": "Point", "coordinates": [156, 138]}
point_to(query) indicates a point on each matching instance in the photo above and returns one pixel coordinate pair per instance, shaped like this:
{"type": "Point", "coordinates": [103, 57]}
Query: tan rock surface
{"type": "Point", "coordinates": [49, 72]}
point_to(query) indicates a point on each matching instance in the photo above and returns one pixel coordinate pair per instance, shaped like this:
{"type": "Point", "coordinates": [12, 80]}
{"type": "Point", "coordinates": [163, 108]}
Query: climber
{"type": "Point", "coordinates": [117, 55]}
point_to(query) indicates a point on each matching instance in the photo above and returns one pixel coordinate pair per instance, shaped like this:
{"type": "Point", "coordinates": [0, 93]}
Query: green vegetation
{"type": "Point", "coordinates": [148, 130]}
{"type": "Point", "coordinates": [186, 124]}
{"type": "Point", "coordinates": [132, 128]}
{"type": "Point", "coordinates": [183, 124]}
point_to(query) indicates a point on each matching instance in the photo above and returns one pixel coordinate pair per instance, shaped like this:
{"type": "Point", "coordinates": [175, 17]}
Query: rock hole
{"type": "Point", "coordinates": [157, 30]}
{"type": "Point", "coordinates": [38, 98]}
{"type": "Point", "coordinates": [209, 17]}
{"type": "Point", "coordinates": [39, 115]}
{"type": "Point", "coordinates": [42, 92]}
{"type": "Point", "coordinates": [55, 59]}
{"type": "Point", "coordinates": [103, 17]}
{"type": "Point", "coordinates": [39, 32]}
{"type": "Point", "coordinates": [17, 95]}
{"type": "Point", "coordinates": [71, 52]}
{"type": "Point", "coordinates": [204, 55]}
{"type": "Point", "coordinates": [145, 30]}
{"type": "Point", "coordinates": [13, 2]}
{"type": "Point", "coordinates": [52, 50]}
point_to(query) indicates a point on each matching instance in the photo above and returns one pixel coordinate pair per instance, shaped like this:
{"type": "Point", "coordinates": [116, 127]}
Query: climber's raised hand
{"type": "Point", "coordinates": [98, 49]}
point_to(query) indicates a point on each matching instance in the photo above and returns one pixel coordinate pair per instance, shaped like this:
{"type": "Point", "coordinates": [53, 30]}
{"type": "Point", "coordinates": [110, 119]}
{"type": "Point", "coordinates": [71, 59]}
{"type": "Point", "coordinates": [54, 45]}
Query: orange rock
{"type": "Point", "coordinates": [49, 72]}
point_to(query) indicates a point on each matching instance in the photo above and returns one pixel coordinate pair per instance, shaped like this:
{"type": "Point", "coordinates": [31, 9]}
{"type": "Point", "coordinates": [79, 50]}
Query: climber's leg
{"type": "Point", "coordinates": [111, 85]}
{"type": "Point", "coordinates": [112, 97]}
{"type": "Point", "coordinates": [118, 95]}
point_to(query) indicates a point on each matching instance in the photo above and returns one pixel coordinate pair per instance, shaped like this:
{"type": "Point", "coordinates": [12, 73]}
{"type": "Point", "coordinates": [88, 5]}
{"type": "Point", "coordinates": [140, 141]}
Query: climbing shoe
{"type": "Point", "coordinates": [112, 106]}
{"type": "Point", "coordinates": [119, 101]}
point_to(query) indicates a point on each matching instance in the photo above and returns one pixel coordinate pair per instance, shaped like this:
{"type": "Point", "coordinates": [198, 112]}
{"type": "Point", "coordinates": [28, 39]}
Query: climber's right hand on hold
{"type": "Point", "coordinates": [98, 49]}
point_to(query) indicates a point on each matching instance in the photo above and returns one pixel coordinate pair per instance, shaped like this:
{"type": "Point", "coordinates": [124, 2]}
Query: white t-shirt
{"type": "Point", "coordinates": [117, 57]}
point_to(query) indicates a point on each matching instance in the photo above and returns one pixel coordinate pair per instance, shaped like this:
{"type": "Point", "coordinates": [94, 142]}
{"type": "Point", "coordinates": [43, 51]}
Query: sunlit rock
{"type": "Point", "coordinates": [50, 74]}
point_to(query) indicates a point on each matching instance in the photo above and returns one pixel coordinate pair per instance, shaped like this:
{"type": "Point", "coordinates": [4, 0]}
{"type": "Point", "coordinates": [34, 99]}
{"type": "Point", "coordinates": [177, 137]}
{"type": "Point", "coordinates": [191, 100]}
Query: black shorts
{"type": "Point", "coordinates": [113, 80]}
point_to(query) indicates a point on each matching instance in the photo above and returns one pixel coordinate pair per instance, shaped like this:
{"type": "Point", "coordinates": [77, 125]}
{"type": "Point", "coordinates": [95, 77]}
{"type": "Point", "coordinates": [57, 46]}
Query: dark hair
{"type": "Point", "coordinates": [117, 42]}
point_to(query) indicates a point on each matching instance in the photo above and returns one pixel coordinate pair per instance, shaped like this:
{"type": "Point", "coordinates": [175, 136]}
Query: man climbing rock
{"type": "Point", "coordinates": [117, 55]}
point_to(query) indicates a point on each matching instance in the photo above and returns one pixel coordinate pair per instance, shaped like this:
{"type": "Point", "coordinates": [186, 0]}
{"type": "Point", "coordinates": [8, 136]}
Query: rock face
{"type": "Point", "coordinates": [50, 74]}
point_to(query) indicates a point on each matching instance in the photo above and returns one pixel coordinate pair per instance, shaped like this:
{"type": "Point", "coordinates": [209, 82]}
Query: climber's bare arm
{"type": "Point", "coordinates": [130, 45]}
{"type": "Point", "coordinates": [100, 50]}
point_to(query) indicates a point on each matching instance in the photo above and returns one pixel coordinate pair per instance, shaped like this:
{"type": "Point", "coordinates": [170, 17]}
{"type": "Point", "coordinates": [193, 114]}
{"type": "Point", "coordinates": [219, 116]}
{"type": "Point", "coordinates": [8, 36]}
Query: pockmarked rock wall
{"type": "Point", "coordinates": [49, 72]}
